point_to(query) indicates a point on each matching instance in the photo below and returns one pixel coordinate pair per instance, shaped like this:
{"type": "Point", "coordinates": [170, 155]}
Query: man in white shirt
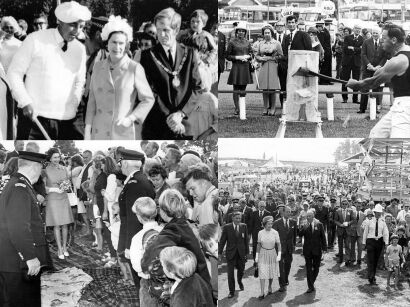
{"type": "Point", "coordinates": [198, 184]}
{"type": "Point", "coordinates": [375, 235]}
{"type": "Point", "coordinates": [401, 216]}
{"type": "Point", "coordinates": [52, 62]}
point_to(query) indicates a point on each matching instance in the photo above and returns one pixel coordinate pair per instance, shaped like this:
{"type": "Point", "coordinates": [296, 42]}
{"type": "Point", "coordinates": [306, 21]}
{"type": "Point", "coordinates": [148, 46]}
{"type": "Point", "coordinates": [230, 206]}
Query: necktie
{"type": "Point", "coordinates": [375, 45]}
{"type": "Point", "coordinates": [286, 224]}
{"type": "Point", "coordinates": [280, 38]}
{"type": "Point", "coordinates": [377, 228]}
{"type": "Point", "coordinates": [291, 36]}
{"type": "Point", "coordinates": [260, 214]}
{"type": "Point", "coordinates": [64, 48]}
{"type": "Point", "coordinates": [171, 60]}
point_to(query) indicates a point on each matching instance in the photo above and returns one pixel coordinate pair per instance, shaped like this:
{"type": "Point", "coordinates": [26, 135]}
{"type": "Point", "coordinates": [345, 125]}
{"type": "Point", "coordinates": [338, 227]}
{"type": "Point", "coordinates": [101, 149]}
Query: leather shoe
{"type": "Point", "coordinates": [344, 101]}
{"type": "Point", "coordinates": [231, 295]}
{"type": "Point", "coordinates": [360, 112]}
{"type": "Point", "coordinates": [310, 290]}
{"type": "Point", "coordinates": [282, 289]}
{"type": "Point", "coordinates": [359, 262]}
{"type": "Point", "coordinates": [347, 263]}
{"type": "Point", "coordinates": [241, 286]}
{"type": "Point", "coordinates": [356, 102]}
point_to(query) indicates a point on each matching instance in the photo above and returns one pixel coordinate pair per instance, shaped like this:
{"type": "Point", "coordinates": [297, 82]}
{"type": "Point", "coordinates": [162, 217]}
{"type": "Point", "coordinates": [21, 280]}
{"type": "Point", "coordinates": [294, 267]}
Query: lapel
{"type": "Point", "coordinates": [106, 74]}
{"type": "Point", "coordinates": [160, 54]}
{"type": "Point", "coordinates": [179, 55]}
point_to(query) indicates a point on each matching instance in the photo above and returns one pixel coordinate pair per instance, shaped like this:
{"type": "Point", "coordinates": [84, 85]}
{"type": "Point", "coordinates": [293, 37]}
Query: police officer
{"type": "Point", "coordinates": [136, 185]}
{"type": "Point", "coordinates": [24, 250]}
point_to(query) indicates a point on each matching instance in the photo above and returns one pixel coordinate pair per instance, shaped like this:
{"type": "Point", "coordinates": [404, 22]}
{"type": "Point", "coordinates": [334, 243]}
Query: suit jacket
{"type": "Point", "coordinates": [247, 216]}
{"type": "Point", "coordinates": [369, 54]}
{"type": "Point", "coordinates": [111, 101]}
{"type": "Point", "coordinates": [315, 242]}
{"type": "Point", "coordinates": [235, 242]}
{"type": "Point", "coordinates": [169, 100]}
{"type": "Point", "coordinates": [338, 219]}
{"type": "Point", "coordinates": [324, 39]}
{"type": "Point", "coordinates": [359, 229]}
{"type": "Point", "coordinates": [22, 234]}
{"type": "Point", "coordinates": [138, 186]}
{"type": "Point", "coordinates": [256, 222]}
{"type": "Point", "coordinates": [287, 235]}
{"type": "Point", "coordinates": [301, 41]}
{"type": "Point", "coordinates": [352, 57]}
{"type": "Point", "coordinates": [221, 51]}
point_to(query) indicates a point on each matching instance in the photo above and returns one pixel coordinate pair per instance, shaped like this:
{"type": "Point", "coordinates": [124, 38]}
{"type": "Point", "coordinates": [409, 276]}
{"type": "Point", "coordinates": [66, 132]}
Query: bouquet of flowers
{"type": "Point", "coordinates": [65, 185]}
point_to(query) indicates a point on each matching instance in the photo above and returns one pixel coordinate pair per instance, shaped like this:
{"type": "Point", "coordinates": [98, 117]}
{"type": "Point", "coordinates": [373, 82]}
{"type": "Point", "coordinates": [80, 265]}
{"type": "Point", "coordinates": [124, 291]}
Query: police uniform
{"type": "Point", "coordinates": [22, 238]}
{"type": "Point", "coordinates": [135, 186]}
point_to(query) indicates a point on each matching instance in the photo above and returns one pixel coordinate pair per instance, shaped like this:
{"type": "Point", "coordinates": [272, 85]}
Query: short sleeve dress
{"type": "Point", "coordinates": [58, 209]}
{"type": "Point", "coordinates": [268, 266]}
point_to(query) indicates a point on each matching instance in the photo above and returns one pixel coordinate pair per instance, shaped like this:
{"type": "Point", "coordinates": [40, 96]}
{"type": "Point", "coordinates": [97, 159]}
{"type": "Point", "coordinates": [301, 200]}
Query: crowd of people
{"type": "Point", "coordinates": [266, 220]}
{"type": "Point", "coordinates": [360, 54]}
{"type": "Point", "coordinates": [152, 213]}
{"type": "Point", "coordinates": [92, 78]}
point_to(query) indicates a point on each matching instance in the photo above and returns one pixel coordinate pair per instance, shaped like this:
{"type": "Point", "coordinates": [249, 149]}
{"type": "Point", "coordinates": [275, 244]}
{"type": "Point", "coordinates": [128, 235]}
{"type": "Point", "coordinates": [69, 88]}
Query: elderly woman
{"type": "Point", "coordinates": [239, 52]}
{"type": "Point", "coordinates": [269, 52]}
{"type": "Point", "coordinates": [267, 256]}
{"type": "Point", "coordinates": [8, 43]}
{"type": "Point", "coordinates": [58, 209]}
{"type": "Point", "coordinates": [116, 83]}
{"type": "Point", "coordinates": [176, 232]}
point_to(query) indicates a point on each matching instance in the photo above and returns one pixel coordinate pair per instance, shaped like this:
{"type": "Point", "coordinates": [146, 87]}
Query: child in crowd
{"type": "Point", "coordinates": [189, 289]}
{"type": "Point", "coordinates": [393, 255]}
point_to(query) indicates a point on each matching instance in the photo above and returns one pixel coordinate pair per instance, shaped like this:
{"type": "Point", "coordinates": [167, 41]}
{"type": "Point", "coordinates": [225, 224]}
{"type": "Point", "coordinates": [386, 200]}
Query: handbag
{"type": "Point", "coordinates": [256, 272]}
{"type": "Point", "coordinates": [72, 198]}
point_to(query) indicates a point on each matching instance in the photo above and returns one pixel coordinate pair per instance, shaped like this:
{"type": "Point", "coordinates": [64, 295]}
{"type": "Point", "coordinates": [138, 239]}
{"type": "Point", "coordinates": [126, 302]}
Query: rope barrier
{"type": "Point", "coordinates": [283, 92]}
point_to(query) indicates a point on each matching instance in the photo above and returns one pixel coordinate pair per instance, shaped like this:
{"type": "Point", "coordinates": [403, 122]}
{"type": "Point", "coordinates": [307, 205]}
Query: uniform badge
{"type": "Point", "coordinates": [20, 185]}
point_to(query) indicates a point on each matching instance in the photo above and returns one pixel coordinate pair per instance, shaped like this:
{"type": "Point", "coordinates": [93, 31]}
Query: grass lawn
{"type": "Point", "coordinates": [256, 125]}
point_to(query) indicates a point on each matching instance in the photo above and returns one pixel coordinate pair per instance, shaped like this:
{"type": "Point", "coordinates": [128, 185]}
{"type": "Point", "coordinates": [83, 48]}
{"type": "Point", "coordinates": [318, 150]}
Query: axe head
{"type": "Point", "coordinates": [303, 71]}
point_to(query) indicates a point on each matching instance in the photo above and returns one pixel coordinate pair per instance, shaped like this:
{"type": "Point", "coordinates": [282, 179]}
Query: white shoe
{"type": "Point", "coordinates": [61, 257]}
{"type": "Point", "coordinates": [66, 254]}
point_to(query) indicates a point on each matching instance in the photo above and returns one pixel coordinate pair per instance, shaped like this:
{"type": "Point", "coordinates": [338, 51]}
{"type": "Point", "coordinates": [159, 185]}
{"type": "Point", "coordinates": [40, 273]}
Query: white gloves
{"type": "Point", "coordinates": [126, 122]}
{"type": "Point", "coordinates": [345, 224]}
{"type": "Point", "coordinates": [55, 190]}
{"type": "Point", "coordinates": [174, 122]}
{"type": "Point", "coordinates": [279, 257]}
{"type": "Point", "coordinates": [257, 257]}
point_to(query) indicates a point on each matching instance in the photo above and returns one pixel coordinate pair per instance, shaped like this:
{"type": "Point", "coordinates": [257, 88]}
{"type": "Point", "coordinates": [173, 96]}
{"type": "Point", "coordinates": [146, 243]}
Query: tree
{"type": "Point", "coordinates": [121, 8]}
{"type": "Point", "coordinates": [346, 149]}
{"type": "Point", "coordinates": [67, 148]}
{"type": "Point", "coordinates": [100, 7]}
{"type": "Point", "coordinates": [26, 9]}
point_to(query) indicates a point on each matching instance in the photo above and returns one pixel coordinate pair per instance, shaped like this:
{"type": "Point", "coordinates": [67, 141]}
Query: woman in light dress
{"type": "Point", "coordinates": [269, 53]}
{"type": "Point", "coordinates": [267, 256]}
{"type": "Point", "coordinates": [120, 97]}
{"type": "Point", "coordinates": [58, 209]}
{"type": "Point", "coordinates": [8, 43]}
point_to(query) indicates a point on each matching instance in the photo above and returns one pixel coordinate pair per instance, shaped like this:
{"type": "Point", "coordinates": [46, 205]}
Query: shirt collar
{"type": "Point", "coordinates": [173, 48]}
{"type": "Point", "coordinates": [59, 39]}
{"type": "Point", "coordinates": [174, 286]}
{"type": "Point", "coordinates": [150, 225]}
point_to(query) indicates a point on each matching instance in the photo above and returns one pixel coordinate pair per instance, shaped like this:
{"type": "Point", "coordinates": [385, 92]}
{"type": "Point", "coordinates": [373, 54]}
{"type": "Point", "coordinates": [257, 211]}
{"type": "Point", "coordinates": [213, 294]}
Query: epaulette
{"type": "Point", "coordinates": [20, 185]}
{"type": "Point", "coordinates": [133, 181]}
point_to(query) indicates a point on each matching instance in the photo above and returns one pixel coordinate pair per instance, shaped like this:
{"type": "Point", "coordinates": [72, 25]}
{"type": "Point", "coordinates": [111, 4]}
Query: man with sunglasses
{"type": "Point", "coordinates": [40, 22]}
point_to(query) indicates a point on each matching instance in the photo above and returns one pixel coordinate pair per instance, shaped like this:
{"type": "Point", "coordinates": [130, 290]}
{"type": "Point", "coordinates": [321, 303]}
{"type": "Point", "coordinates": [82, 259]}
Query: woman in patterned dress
{"type": "Point", "coordinates": [239, 52]}
{"type": "Point", "coordinates": [269, 53]}
{"type": "Point", "coordinates": [266, 255]}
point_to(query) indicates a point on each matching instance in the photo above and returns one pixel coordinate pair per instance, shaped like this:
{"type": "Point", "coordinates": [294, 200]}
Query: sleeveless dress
{"type": "Point", "coordinates": [58, 209]}
{"type": "Point", "coordinates": [268, 266]}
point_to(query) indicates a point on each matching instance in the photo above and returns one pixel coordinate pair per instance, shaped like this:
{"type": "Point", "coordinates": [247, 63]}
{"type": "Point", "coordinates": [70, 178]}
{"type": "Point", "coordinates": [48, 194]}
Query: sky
{"type": "Point", "coordinates": [310, 150]}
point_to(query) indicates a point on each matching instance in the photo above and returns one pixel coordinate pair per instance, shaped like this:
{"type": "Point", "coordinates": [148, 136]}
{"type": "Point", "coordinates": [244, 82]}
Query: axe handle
{"type": "Point", "coordinates": [40, 126]}
{"type": "Point", "coordinates": [312, 73]}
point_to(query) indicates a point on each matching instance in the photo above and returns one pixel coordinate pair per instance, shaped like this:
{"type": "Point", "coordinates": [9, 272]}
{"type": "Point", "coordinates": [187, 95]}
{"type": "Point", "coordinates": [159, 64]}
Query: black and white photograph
{"type": "Point", "coordinates": [318, 222]}
{"type": "Point", "coordinates": [105, 69]}
{"type": "Point", "coordinates": [120, 223]}
{"type": "Point", "coordinates": [336, 68]}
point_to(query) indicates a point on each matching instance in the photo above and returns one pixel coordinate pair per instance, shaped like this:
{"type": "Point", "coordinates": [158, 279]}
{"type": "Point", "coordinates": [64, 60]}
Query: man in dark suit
{"type": "Point", "coordinates": [296, 40]}
{"type": "Point", "coordinates": [221, 53]}
{"type": "Point", "coordinates": [135, 186]}
{"type": "Point", "coordinates": [172, 72]}
{"type": "Point", "coordinates": [18, 145]}
{"type": "Point", "coordinates": [282, 64]}
{"type": "Point", "coordinates": [373, 57]}
{"type": "Point", "coordinates": [235, 236]}
{"type": "Point", "coordinates": [314, 245]}
{"type": "Point", "coordinates": [343, 218]}
{"type": "Point", "coordinates": [256, 224]}
{"type": "Point", "coordinates": [235, 208]}
{"type": "Point", "coordinates": [287, 229]}
{"type": "Point", "coordinates": [351, 60]}
{"type": "Point", "coordinates": [246, 213]}
{"type": "Point", "coordinates": [324, 37]}
{"type": "Point", "coordinates": [322, 212]}
{"type": "Point", "coordinates": [24, 250]}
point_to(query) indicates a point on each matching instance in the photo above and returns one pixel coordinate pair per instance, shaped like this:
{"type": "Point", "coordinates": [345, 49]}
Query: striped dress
{"type": "Point", "coordinates": [268, 266]}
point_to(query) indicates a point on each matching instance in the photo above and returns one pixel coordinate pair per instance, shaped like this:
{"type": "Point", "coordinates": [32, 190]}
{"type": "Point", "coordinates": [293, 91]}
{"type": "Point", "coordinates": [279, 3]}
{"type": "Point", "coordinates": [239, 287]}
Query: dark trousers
{"type": "Point", "coordinates": [238, 263]}
{"type": "Point", "coordinates": [338, 65]}
{"type": "Point", "coordinates": [23, 125]}
{"type": "Point", "coordinates": [17, 291]}
{"type": "Point", "coordinates": [374, 248]}
{"type": "Point", "coordinates": [365, 98]}
{"type": "Point", "coordinates": [284, 268]}
{"type": "Point", "coordinates": [342, 241]}
{"type": "Point", "coordinates": [135, 277]}
{"type": "Point", "coordinates": [331, 234]}
{"type": "Point", "coordinates": [57, 129]}
{"type": "Point", "coordinates": [326, 68]}
{"type": "Point", "coordinates": [348, 70]}
{"type": "Point", "coordinates": [312, 269]}
{"type": "Point", "coordinates": [254, 245]}
{"type": "Point", "coordinates": [282, 73]}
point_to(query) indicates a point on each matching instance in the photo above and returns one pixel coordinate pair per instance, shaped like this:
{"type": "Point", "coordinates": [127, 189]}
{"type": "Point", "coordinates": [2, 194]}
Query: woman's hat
{"type": "Point", "coordinates": [114, 24]}
{"type": "Point", "coordinates": [241, 25]}
{"type": "Point", "coordinates": [268, 26]}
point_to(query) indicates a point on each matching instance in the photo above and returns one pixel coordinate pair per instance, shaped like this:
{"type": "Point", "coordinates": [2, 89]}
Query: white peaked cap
{"type": "Point", "coordinates": [72, 11]}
